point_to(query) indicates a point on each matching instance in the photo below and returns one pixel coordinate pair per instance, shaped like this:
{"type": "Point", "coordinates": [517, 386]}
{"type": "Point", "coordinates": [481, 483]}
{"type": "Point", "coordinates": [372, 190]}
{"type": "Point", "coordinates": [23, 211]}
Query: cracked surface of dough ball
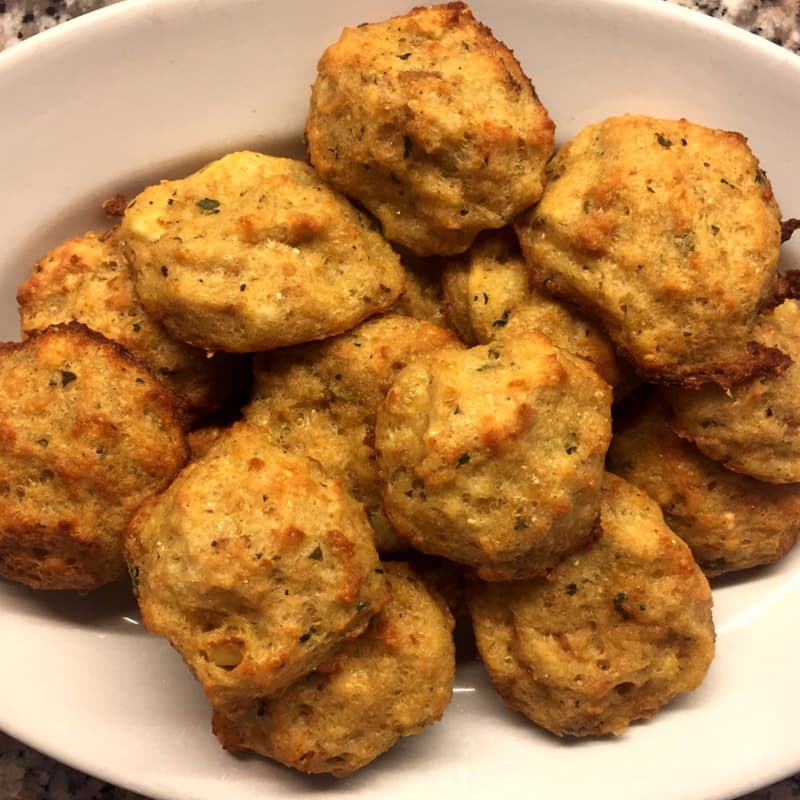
{"type": "Point", "coordinates": [668, 233]}
{"type": "Point", "coordinates": [430, 123]}
{"type": "Point", "coordinates": [255, 252]}
{"type": "Point", "coordinates": [755, 428]}
{"type": "Point", "coordinates": [729, 521]}
{"type": "Point", "coordinates": [255, 566]}
{"type": "Point", "coordinates": [488, 297]}
{"type": "Point", "coordinates": [493, 456]}
{"type": "Point", "coordinates": [320, 400]}
{"type": "Point", "coordinates": [392, 681]}
{"type": "Point", "coordinates": [612, 635]}
{"type": "Point", "coordinates": [87, 279]}
{"type": "Point", "coordinates": [87, 434]}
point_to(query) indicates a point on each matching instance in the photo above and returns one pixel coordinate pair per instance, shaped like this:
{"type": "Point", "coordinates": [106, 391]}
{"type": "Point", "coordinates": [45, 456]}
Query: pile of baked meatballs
{"type": "Point", "coordinates": [319, 411]}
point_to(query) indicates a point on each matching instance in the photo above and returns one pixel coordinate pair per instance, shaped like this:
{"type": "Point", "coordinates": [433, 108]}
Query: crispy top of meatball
{"type": "Point", "coordinates": [255, 565]}
{"type": "Point", "coordinates": [392, 681]}
{"type": "Point", "coordinates": [493, 456]}
{"type": "Point", "coordinates": [667, 232]}
{"type": "Point", "coordinates": [255, 252]}
{"type": "Point", "coordinates": [612, 634]}
{"type": "Point", "coordinates": [488, 296]}
{"type": "Point", "coordinates": [87, 434]}
{"type": "Point", "coordinates": [87, 279]}
{"type": "Point", "coordinates": [430, 123]}
{"type": "Point", "coordinates": [320, 400]}
{"type": "Point", "coordinates": [755, 427]}
{"type": "Point", "coordinates": [730, 521]}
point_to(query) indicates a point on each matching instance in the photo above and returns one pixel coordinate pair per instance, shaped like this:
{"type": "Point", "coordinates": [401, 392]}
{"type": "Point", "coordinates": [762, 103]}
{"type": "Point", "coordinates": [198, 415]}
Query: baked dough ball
{"type": "Point", "coordinates": [255, 252]}
{"type": "Point", "coordinates": [430, 123]}
{"type": "Point", "coordinates": [320, 400]}
{"type": "Point", "coordinates": [87, 279]}
{"type": "Point", "coordinates": [611, 635]}
{"type": "Point", "coordinates": [254, 565]}
{"type": "Point", "coordinates": [87, 434]}
{"type": "Point", "coordinates": [754, 428]}
{"type": "Point", "coordinates": [392, 681]}
{"type": "Point", "coordinates": [669, 233]}
{"type": "Point", "coordinates": [729, 521]}
{"type": "Point", "coordinates": [493, 456]}
{"type": "Point", "coordinates": [488, 297]}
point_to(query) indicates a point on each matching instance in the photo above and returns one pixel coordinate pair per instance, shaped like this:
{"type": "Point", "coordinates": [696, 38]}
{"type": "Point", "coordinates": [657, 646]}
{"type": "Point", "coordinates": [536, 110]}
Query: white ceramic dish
{"type": "Point", "coordinates": [150, 89]}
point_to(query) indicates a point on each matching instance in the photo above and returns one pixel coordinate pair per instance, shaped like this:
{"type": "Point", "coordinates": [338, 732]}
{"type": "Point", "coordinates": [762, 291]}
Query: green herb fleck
{"type": "Point", "coordinates": [571, 589]}
{"type": "Point", "coordinates": [619, 600]}
{"type": "Point", "coordinates": [404, 56]}
{"type": "Point", "coordinates": [308, 634]}
{"type": "Point", "coordinates": [407, 146]}
{"type": "Point", "coordinates": [258, 556]}
{"type": "Point", "coordinates": [316, 554]}
{"type": "Point", "coordinates": [42, 442]}
{"type": "Point", "coordinates": [663, 141]}
{"type": "Point", "coordinates": [715, 229]}
{"type": "Point", "coordinates": [520, 524]}
{"type": "Point", "coordinates": [208, 205]}
{"type": "Point", "coordinates": [136, 327]}
{"type": "Point", "coordinates": [164, 271]}
{"type": "Point", "coordinates": [242, 287]}
{"type": "Point", "coordinates": [503, 321]}
{"type": "Point", "coordinates": [457, 409]}
{"type": "Point", "coordinates": [494, 353]}
{"type": "Point", "coordinates": [463, 459]}
{"type": "Point", "coordinates": [571, 448]}
{"type": "Point", "coordinates": [728, 183]}
{"type": "Point", "coordinates": [67, 377]}
{"type": "Point", "coordinates": [485, 298]}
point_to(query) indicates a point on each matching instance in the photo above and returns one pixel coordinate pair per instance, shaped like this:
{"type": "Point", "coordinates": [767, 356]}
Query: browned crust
{"type": "Point", "coordinates": [788, 227]}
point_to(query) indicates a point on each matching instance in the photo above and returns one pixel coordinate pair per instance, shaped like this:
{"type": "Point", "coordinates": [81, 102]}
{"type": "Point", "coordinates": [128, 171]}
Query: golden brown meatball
{"type": "Point", "coordinates": [615, 632]}
{"type": "Point", "coordinates": [493, 456]}
{"type": "Point", "coordinates": [430, 123]}
{"type": "Point", "coordinates": [254, 252]}
{"type": "Point", "coordinates": [87, 279]}
{"type": "Point", "coordinates": [488, 297]}
{"type": "Point", "coordinates": [729, 521]}
{"type": "Point", "coordinates": [392, 681]}
{"type": "Point", "coordinates": [755, 427]}
{"type": "Point", "coordinates": [320, 400]}
{"type": "Point", "coordinates": [255, 566]}
{"type": "Point", "coordinates": [667, 232]}
{"type": "Point", "coordinates": [87, 434]}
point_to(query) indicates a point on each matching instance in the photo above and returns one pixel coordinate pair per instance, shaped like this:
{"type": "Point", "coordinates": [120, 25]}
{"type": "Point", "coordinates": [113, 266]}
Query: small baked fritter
{"type": "Point", "coordinates": [755, 427]}
{"type": "Point", "coordinates": [255, 566]}
{"type": "Point", "coordinates": [729, 521]}
{"type": "Point", "coordinates": [87, 434]}
{"type": "Point", "coordinates": [430, 123]}
{"type": "Point", "coordinates": [488, 297]}
{"type": "Point", "coordinates": [493, 456]}
{"type": "Point", "coordinates": [391, 681]}
{"type": "Point", "coordinates": [254, 252]}
{"type": "Point", "coordinates": [668, 233]}
{"type": "Point", "coordinates": [611, 635]}
{"type": "Point", "coordinates": [320, 400]}
{"type": "Point", "coordinates": [87, 279]}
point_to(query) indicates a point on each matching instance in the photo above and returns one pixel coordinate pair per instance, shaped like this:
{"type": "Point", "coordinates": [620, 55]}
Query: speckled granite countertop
{"type": "Point", "coordinates": [28, 775]}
